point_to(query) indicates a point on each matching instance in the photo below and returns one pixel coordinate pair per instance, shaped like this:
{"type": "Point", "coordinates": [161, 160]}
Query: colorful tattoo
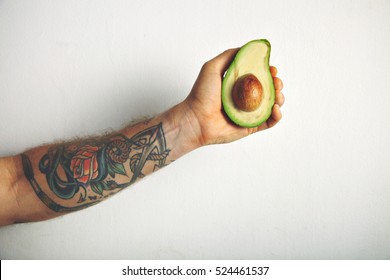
{"type": "Point", "coordinates": [88, 170]}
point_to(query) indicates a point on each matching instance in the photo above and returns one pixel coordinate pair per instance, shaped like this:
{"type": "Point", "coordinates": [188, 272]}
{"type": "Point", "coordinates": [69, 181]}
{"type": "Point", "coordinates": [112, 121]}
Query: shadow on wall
{"type": "Point", "coordinates": [128, 101]}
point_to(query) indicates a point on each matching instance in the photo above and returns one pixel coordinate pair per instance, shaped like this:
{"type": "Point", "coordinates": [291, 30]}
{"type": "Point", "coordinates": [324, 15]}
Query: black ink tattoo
{"type": "Point", "coordinates": [87, 171]}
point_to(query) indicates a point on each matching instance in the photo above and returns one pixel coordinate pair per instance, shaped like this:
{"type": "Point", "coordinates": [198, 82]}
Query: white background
{"type": "Point", "coordinates": [317, 186]}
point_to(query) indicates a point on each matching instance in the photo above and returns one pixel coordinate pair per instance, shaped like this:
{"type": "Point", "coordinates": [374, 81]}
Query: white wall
{"type": "Point", "coordinates": [316, 186]}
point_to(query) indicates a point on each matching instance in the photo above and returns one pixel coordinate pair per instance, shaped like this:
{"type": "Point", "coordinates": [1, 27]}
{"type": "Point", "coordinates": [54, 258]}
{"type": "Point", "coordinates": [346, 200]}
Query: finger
{"type": "Point", "coordinates": [223, 60]}
{"type": "Point", "coordinates": [279, 99]}
{"type": "Point", "coordinates": [274, 71]}
{"type": "Point", "coordinates": [278, 84]}
{"type": "Point", "coordinates": [276, 116]}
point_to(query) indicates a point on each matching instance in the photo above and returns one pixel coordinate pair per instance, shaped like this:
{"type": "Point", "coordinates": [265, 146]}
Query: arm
{"type": "Point", "coordinates": [56, 179]}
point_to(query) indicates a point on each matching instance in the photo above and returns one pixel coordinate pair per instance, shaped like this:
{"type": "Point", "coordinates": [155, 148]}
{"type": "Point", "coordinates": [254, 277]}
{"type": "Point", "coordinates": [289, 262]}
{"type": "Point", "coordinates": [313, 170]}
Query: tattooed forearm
{"type": "Point", "coordinates": [81, 174]}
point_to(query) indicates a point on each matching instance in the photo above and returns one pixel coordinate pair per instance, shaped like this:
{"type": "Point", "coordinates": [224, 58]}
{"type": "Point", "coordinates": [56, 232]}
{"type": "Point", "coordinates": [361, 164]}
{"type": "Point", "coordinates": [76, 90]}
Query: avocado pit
{"type": "Point", "coordinates": [247, 93]}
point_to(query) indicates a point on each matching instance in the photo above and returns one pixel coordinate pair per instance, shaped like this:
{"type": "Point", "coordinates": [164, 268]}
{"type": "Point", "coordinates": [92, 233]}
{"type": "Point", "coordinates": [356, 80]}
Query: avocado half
{"type": "Point", "coordinates": [252, 58]}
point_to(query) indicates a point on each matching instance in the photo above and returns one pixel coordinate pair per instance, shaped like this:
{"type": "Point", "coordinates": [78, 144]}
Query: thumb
{"type": "Point", "coordinates": [223, 60]}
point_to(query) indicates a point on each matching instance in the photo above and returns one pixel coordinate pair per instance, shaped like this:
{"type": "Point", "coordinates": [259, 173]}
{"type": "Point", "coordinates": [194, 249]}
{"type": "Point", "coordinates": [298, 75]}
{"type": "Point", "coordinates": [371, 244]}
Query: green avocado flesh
{"type": "Point", "coordinates": [252, 58]}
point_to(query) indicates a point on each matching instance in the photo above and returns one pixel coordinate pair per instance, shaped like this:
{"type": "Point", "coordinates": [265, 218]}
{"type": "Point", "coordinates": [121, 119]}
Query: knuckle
{"type": "Point", "coordinates": [207, 65]}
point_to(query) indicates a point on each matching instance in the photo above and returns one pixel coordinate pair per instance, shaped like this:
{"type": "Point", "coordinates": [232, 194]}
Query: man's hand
{"type": "Point", "coordinates": [205, 103]}
{"type": "Point", "coordinates": [51, 180]}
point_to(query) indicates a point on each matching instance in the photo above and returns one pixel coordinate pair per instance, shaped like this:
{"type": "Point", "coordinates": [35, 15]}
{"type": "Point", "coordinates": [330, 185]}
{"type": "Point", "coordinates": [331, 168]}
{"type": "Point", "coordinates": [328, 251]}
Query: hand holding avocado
{"type": "Point", "coordinates": [199, 120]}
{"type": "Point", "coordinates": [263, 94]}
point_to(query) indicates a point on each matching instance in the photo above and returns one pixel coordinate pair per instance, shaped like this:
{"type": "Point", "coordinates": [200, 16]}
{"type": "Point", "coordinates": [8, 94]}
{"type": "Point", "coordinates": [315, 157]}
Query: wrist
{"type": "Point", "coordinates": [182, 130]}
